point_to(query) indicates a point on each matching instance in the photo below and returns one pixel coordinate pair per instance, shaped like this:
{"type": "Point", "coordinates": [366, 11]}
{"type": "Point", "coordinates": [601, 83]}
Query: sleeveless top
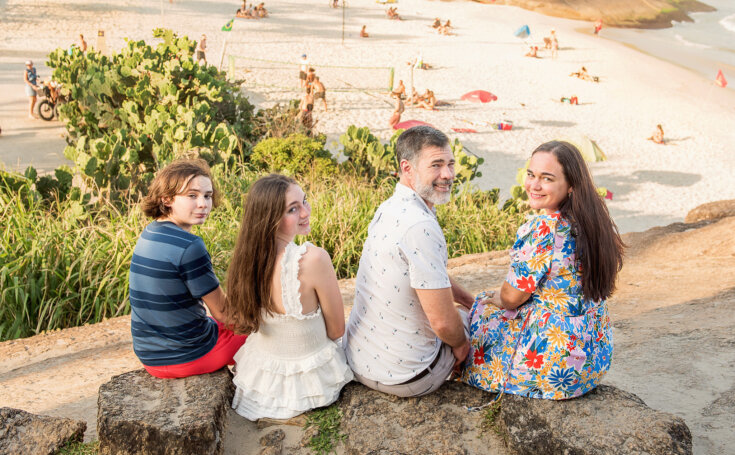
{"type": "Point", "coordinates": [31, 75]}
{"type": "Point", "coordinates": [289, 365]}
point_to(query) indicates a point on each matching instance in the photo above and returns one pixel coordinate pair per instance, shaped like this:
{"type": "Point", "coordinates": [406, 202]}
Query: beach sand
{"type": "Point", "coordinates": [651, 184]}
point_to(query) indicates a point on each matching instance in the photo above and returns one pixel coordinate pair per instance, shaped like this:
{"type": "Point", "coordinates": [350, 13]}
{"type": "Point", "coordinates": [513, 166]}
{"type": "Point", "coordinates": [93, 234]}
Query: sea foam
{"type": "Point", "coordinates": [728, 22]}
{"type": "Point", "coordinates": [688, 43]}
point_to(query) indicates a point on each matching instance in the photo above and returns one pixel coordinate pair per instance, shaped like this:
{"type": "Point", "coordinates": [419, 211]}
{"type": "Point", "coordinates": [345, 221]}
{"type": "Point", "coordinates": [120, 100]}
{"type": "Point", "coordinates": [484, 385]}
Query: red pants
{"type": "Point", "coordinates": [221, 354]}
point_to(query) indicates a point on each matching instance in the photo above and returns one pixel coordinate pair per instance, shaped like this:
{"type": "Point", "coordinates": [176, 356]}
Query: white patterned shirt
{"type": "Point", "coordinates": [388, 337]}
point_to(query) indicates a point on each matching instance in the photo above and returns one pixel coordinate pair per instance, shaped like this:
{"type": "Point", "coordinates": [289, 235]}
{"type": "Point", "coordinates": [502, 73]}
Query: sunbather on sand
{"type": "Point", "coordinates": [393, 13]}
{"type": "Point", "coordinates": [437, 23]}
{"type": "Point", "coordinates": [584, 75]}
{"type": "Point", "coordinates": [533, 52]}
{"type": "Point", "coordinates": [428, 100]}
{"type": "Point", "coordinates": [572, 100]}
{"type": "Point", "coordinates": [363, 32]}
{"type": "Point", "coordinates": [415, 97]}
{"type": "Point", "coordinates": [658, 136]}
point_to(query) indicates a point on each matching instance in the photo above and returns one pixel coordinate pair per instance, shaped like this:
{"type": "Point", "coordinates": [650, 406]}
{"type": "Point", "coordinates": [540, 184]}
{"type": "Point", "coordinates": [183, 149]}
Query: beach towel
{"type": "Point", "coordinates": [463, 130]}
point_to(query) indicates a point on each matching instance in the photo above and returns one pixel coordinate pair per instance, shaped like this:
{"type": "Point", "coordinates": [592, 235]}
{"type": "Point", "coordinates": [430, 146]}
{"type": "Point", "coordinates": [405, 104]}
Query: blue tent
{"type": "Point", "coordinates": [523, 32]}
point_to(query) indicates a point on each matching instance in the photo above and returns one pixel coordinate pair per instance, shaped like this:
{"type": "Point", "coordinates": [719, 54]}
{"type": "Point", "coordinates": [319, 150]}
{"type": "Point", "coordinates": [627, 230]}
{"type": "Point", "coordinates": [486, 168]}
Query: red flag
{"type": "Point", "coordinates": [609, 195]}
{"type": "Point", "coordinates": [720, 79]}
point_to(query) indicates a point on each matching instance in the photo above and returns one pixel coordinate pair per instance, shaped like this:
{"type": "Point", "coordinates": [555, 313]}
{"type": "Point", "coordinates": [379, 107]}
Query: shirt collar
{"type": "Point", "coordinates": [406, 192]}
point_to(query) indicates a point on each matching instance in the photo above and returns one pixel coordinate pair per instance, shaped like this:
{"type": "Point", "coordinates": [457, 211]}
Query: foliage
{"type": "Point", "coordinates": [80, 448]}
{"type": "Point", "coordinates": [327, 421]}
{"type": "Point", "coordinates": [279, 121]}
{"type": "Point", "coordinates": [366, 155]}
{"type": "Point", "coordinates": [293, 155]}
{"type": "Point", "coordinates": [133, 112]}
{"type": "Point", "coordinates": [465, 166]}
{"type": "Point", "coordinates": [490, 418]}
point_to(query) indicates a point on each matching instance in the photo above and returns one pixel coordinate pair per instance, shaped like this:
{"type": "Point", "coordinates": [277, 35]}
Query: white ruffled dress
{"type": "Point", "coordinates": [289, 365]}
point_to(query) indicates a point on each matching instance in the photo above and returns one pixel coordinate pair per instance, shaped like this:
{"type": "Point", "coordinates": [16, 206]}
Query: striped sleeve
{"type": "Point", "coordinates": [196, 270]}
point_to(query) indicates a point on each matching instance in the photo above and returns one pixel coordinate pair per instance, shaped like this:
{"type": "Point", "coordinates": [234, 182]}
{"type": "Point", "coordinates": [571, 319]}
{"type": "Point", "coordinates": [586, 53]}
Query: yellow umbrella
{"type": "Point", "coordinates": [591, 152]}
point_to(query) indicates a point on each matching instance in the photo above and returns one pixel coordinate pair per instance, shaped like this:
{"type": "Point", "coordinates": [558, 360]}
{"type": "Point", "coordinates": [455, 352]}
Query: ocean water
{"type": "Point", "coordinates": [704, 46]}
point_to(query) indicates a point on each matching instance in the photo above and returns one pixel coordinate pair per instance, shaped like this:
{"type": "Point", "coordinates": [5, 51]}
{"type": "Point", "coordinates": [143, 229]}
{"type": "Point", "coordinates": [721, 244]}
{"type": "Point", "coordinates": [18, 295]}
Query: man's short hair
{"type": "Point", "coordinates": [412, 141]}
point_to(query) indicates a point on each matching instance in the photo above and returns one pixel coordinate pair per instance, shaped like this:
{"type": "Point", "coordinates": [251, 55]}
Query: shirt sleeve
{"type": "Point", "coordinates": [424, 248]}
{"type": "Point", "coordinates": [197, 271]}
{"type": "Point", "coordinates": [532, 255]}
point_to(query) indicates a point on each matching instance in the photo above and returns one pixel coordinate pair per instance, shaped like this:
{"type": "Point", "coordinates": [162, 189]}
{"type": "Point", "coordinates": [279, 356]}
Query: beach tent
{"type": "Point", "coordinates": [410, 124]}
{"type": "Point", "coordinates": [479, 96]}
{"type": "Point", "coordinates": [590, 151]}
{"type": "Point", "coordinates": [523, 32]}
{"type": "Point", "coordinates": [720, 79]}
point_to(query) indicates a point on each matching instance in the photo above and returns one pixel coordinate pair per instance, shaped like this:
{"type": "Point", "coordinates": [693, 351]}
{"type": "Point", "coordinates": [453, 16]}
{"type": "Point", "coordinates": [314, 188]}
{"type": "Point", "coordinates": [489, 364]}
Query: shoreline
{"type": "Point", "coordinates": [637, 14]}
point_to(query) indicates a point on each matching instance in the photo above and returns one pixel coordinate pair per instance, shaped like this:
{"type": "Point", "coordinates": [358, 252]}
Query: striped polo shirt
{"type": "Point", "coordinates": [169, 273]}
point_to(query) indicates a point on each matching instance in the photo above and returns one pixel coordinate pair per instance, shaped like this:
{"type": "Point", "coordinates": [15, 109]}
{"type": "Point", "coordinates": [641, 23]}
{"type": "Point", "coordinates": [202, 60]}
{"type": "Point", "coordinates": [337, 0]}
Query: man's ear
{"type": "Point", "coordinates": [166, 201]}
{"type": "Point", "coordinates": [405, 166]}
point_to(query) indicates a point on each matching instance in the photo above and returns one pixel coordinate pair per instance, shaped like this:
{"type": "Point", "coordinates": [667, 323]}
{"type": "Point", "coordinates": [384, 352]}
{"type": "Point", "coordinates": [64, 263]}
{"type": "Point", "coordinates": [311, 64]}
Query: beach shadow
{"type": "Point", "coordinates": [557, 123]}
{"type": "Point", "coordinates": [674, 140]}
{"type": "Point", "coordinates": [668, 178]}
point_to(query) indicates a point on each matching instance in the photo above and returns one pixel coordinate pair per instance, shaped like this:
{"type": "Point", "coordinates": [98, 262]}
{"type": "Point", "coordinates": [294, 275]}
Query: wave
{"type": "Point", "coordinates": [728, 22]}
{"type": "Point", "coordinates": [687, 43]}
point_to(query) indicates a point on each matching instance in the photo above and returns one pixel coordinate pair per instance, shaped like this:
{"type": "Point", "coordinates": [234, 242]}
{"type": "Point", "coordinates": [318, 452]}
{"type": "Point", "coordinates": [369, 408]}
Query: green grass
{"type": "Point", "coordinates": [327, 421]}
{"type": "Point", "coordinates": [64, 265]}
{"type": "Point", "coordinates": [80, 448]}
{"type": "Point", "coordinates": [490, 417]}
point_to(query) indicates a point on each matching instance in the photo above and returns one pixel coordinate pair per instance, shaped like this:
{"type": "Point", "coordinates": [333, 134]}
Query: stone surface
{"type": "Point", "coordinates": [605, 421]}
{"type": "Point", "coordinates": [140, 414]}
{"type": "Point", "coordinates": [711, 211]}
{"type": "Point", "coordinates": [376, 423]}
{"type": "Point", "coordinates": [26, 433]}
{"type": "Point", "coordinates": [272, 442]}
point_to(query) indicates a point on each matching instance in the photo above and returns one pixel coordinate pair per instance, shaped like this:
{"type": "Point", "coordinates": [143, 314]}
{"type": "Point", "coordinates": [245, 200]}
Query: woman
{"type": "Point", "coordinates": [550, 336]}
{"type": "Point", "coordinates": [286, 296]}
{"type": "Point", "coordinates": [395, 118]}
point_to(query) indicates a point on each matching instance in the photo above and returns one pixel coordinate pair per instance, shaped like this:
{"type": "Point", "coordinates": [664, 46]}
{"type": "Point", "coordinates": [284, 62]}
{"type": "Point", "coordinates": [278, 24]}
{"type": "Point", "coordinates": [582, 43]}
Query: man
{"type": "Point", "coordinates": [320, 92]}
{"type": "Point", "coordinates": [31, 80]}
{"type": "Point", "coordinates": [404, 335]}
{"type": "Point", "coordinates": [201, 50]}
{"type": "Point", "coordinates": [303, 65]}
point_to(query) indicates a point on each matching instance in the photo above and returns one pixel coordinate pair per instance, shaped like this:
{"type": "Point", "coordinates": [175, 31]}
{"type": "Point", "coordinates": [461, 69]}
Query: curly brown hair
{"type": "Point", "coordinates": [172, 180]}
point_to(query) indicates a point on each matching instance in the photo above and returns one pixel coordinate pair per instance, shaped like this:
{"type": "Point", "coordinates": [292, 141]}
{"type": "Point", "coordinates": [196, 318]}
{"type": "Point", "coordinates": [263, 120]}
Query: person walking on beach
{"type": "Point", "coordinates": [404, 335]}
{"type": "Point", "coordinates": [30, 77]}
{"type": "Point", "coordinates": [201, 50]}
{"type": "Point", "coordinates": [320, 92]}
{"type": "Point", "coordinates": [303, 67]}
{"type": "Point", "coordinates": [395, 118]}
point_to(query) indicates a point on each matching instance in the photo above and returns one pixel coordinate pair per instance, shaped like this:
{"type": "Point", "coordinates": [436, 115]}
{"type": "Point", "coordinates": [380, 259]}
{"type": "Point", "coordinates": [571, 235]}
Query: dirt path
{"type": "Point", "coordinates": [674, 345]}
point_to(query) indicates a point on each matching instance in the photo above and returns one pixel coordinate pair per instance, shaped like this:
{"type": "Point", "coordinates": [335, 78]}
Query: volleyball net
{"type": "Point", "coordinates": [275, 74]}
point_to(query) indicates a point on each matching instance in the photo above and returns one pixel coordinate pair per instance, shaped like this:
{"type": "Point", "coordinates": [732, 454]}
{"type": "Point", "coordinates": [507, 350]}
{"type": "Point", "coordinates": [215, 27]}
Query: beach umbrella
{"type": "Point", "coordinates": [479, 96]}
{"type": "Point", "coordinates": [522, 32]}
{"type": "Point", "coordinates": [590, 151]}
{"type": "Point", "coordinates": [410, 124]}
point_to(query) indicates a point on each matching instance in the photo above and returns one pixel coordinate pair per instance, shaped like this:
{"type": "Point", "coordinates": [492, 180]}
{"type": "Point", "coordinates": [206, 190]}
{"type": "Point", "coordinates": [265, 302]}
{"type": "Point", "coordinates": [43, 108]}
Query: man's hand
{"type": "Point", "coordinates": [460, 353]}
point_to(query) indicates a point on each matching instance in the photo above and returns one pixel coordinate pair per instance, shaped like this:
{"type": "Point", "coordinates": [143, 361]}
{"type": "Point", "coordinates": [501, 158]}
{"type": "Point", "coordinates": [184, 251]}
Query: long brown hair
{"type": "Point", "coordinates": [599, 246]}
{"type": "Point", "coordinates": [250, 274]}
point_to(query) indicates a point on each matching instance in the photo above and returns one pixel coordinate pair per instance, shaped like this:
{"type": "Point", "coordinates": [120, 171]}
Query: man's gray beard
{"type": "Point", "coordinates": [428, 193]}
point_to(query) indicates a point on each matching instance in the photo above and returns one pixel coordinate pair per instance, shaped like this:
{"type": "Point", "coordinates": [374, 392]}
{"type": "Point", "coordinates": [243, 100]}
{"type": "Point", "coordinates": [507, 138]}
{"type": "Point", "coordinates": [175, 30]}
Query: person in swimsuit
{"type": "Point", "coordinates": [363, 32]}
{"type": "Point", "coordinates": [303, 65]}
{"type": "Point", "coordinates": [400, 90]}
{"type": "Point", "coordinates": [395, 118]}
{"type": "Point", "coordinates": [658, 136]}
{"type": "Point", "coordinates": [320, 92]}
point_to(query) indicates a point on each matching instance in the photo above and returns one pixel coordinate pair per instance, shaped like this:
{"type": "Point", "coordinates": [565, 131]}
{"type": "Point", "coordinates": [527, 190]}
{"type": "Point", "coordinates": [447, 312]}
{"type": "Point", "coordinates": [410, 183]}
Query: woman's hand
{"type": "Point", "coordinates": [492, 298]}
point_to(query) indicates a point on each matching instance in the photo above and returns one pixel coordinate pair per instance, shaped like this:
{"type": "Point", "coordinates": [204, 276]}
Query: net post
{"type": "Point", "coordinates": [231, 68]}
{"type": "Point", "coordinates": [390, 81]}
{"type": "Point", "coordinates": [222, 56]}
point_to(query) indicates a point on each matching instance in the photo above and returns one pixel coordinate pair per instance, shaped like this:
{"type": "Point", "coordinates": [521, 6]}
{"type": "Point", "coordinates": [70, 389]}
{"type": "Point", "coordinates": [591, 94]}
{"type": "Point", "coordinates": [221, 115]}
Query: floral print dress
{"type": "Point", "coordinates": [562, 341]}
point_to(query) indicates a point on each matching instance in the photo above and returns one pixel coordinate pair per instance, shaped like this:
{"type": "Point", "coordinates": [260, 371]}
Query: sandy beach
{"type": "Point", "coordinates": [651, 184]}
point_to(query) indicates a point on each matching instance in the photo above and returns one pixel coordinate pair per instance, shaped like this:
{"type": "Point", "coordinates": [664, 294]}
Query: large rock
{"type": "Point", "coordinates": [711, 211]}
{"type": "Point", "coordinates": [605, 421]}
{"type": "Point", "coordinates": [376, 423]}
{"type": "Point", "coordinates": [26, 433]}
{"type": "Point", "coordinates": [140, 414]}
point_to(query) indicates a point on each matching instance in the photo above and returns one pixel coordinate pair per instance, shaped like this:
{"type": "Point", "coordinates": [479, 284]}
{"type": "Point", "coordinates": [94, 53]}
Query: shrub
{"type": "Point", "coordinates": [133, 112]}
{"type": "Point", "coordinates": [293, 155]}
